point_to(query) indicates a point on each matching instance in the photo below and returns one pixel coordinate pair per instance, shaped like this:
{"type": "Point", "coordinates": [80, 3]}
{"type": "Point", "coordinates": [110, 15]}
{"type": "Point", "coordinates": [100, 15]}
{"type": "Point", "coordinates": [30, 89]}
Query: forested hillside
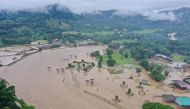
{"type": "Point", "coordinates": [56, 22]}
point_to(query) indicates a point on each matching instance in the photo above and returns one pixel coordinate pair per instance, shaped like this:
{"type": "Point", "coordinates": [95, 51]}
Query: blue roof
{"type": "Point", "coordinates": [183, 101]}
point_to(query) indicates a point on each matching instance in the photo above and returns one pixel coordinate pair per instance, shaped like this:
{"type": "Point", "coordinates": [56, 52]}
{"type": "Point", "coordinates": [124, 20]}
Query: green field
{"type": "Point", "coordinates": [178, 58]}
{"type": "Point", "coordinates": [146, 31]}
{"type": "Point", "coordinates": [101, 33]}
{"type": "Point", "coordinates": [127, 41]}
{"type": "Point", "coordinates": [120, 59]}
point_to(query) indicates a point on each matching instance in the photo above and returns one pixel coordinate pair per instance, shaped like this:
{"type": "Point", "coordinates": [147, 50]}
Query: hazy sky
{"type": "Point", "coordinates": [147, 7]}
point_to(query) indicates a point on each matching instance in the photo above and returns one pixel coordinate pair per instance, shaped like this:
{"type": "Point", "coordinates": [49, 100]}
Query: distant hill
{"type": "Point", "coordinates": [24, 26]}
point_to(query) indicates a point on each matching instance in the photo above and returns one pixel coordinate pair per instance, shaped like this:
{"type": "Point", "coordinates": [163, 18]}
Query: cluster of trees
{"type": "Point", "coordinates": [156, 71]}
{"type": "Point", "coordinates": [110, 62]}
{"type": "Point", "coordinates": [8, 98]}
{"type": "Point", "coordinates": [97, 55]}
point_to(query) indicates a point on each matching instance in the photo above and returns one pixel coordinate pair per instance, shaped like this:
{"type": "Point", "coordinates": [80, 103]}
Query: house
{"type": "Point", "coordinates": [169, 98]}
{"type": "Point", "coordinates": [180, 84]}
{"type": "Point", "coordinates": [182, 102]}
{"type": "Point", "coordinates": [162, 58]}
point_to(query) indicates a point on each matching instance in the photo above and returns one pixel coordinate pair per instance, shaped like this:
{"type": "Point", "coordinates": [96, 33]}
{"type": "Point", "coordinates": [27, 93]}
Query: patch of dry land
{"type": "Point", "coordinates": [43, 81]}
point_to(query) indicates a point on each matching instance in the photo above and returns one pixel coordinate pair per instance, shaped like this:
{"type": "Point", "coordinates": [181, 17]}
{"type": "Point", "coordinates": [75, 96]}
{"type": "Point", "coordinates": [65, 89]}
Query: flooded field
{"type": "Point", "coordinates": [40, 82]}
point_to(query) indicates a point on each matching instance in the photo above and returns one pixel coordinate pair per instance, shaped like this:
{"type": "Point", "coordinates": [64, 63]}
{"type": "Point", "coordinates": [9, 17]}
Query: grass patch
{"type": "Point", "coordinates": [101, 33]}
{"type": "Point", "coordinates": [146, 31]}
{"type": "Point", "coordinates": [120, 59]}
{"type": "Point", "coordinates": [178, 57]}
{"type": "Point", "coordinates": [105, 33]}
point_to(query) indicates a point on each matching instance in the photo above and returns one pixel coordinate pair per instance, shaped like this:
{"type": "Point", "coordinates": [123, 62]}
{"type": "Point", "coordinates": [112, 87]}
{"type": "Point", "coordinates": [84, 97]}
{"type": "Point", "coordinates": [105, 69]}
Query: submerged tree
{"type": "Point", "coordinates": [138, 70]}
{"type": "Point", "coordinates": [109, 52]}
{"type": "Point", "coordinates": [111, 62]}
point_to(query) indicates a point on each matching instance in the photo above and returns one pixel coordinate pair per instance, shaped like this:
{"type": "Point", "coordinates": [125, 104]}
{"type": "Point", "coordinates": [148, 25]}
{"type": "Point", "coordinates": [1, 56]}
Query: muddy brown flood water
{"type": "Point", "coordinates": [49, 88]}
{"type": "Point", "coordinates": [45, 88]}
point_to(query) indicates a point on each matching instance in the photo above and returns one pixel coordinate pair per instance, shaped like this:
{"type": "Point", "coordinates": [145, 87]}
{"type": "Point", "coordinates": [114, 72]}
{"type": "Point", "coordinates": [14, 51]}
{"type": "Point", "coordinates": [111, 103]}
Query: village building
{"type": "Point", "coordinates": [162, 58]}
{"type": "Point", "coordinates": [180, 84]}
{"type": "Point", "coordinates": [182, 102]}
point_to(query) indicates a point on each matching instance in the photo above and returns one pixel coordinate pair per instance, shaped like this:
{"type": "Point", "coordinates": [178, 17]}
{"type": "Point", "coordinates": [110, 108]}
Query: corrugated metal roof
{"type": "Point", "coordinates": [183, 101]}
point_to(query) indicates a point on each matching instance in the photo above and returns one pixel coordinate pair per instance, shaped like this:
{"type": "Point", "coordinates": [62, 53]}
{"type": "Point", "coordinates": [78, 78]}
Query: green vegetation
{"type": "Point", "coordinates": [142, 41]}
{"type": "Point", "coordinates": [81, 65]}
{"type": "Point", "coordinates": [146, 31]}
{"type": "Point", "coordinates": [156, 71]}
{"type": "Point", "coordinates": [8, 98]}
{"type": "Point", "coordinates": [120, 59]}
{"type": "Point", "coordinates": [95, 54]}
{"type": "Point", "coordinates": [157, 75]}
{"type": "Point", "coordinates": [156, 105]}
{"type": "Point", "coordinates": [178, 58]}
{"type": "Point", "coordinates": [138, 70]}
{"type": "Point", "coordinates": [111, 62]}
{"type": "Point", "coordinates": [24, 105]}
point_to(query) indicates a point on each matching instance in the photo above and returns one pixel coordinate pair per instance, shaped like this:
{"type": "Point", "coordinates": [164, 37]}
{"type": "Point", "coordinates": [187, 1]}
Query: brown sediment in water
{"type": "Point", "coordinates": [38, 81]}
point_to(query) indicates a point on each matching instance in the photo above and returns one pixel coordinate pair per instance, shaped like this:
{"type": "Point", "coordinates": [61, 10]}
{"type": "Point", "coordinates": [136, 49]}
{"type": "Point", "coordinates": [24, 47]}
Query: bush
{"type": "Point", "coordinates": [156, 106]}
{"type": "Point", "coordinates": [126, 55]}
{"type": "Point", "coordinates": [166, 73]}
{"type": "Point", "coordinates": [109, 52]}
{"type": "Point", "coordinates": [138, 70]}
{"type": "Point", "coordinates": [99, 64]}
{"type": "Point", "coordinates": [95, 54]}
{"type": "Point", "coordinates": [111, 62]}
{"type": "Point", "coordinates": [145, 64]}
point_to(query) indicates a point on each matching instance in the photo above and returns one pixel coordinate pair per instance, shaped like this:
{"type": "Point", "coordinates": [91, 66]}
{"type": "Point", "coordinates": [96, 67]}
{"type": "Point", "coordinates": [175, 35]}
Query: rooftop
{"type": "Point", "coordinates": [183, 101]}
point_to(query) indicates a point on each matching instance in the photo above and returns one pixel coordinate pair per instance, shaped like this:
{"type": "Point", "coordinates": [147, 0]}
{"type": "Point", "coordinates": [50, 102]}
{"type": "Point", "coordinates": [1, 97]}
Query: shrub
{"type": "Point", "coordinates": [111, 62]}
{"type": "Point", "coordinates": [156, 105]}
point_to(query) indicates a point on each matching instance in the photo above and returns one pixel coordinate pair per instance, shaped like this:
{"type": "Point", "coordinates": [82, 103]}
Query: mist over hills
{"type": "Point", "coordinates": [50, 22]}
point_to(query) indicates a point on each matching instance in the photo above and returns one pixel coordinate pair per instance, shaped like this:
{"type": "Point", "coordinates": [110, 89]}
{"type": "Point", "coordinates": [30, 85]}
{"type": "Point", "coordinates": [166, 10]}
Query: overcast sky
{"type": "Point", "coordinates": [141, 6]}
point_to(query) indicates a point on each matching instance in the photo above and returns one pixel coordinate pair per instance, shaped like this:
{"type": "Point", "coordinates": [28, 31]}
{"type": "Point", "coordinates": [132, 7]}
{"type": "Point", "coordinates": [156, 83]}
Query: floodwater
{"type": "Point", "coordinates": [49, 88]}
{"type": "Point", "coordinates": [44, 88]}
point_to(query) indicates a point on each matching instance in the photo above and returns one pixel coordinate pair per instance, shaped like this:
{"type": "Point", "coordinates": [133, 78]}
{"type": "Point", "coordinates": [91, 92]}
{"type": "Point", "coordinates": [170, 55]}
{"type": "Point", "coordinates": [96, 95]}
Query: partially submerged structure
{"type": "Point", "coordinates": [182, 102]}
{"type": "Point", "coordinates": [180, 84]}
{"type": "Point", "coordinates": [162, 58]}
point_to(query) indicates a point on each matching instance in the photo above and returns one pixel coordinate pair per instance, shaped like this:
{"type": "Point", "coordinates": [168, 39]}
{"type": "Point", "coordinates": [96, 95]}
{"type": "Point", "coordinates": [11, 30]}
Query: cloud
{"type": "Point", "coordinates": [161, 16]}
{"type": "Point", "coordinates": [148, 7]}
